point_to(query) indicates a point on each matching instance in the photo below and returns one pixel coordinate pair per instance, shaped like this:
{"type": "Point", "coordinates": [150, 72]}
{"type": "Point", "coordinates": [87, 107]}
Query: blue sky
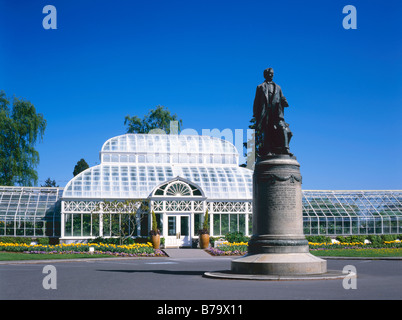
{"type": "Point", "coordinates": [203, 61]}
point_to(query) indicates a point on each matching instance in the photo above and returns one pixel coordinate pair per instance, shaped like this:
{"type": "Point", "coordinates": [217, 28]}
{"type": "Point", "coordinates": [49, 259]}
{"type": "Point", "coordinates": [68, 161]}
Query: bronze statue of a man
{"type": "Point", "coordinates": [272, 132]}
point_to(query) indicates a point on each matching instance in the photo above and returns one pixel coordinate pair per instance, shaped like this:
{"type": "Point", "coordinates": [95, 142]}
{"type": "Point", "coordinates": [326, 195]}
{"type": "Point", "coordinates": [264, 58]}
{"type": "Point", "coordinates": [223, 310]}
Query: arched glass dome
{"type": "Point", "coordinates": [160, 148]}
{"type": "Point", "coordinates": [208, 162]}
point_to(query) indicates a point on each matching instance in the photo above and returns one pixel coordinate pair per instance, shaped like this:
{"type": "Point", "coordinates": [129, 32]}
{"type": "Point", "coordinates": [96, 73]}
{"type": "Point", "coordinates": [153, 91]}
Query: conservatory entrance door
{"type": "Point", "coordinates": [178, 231]}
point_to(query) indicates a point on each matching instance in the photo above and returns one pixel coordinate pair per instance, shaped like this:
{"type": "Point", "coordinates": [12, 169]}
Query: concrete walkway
{"type": "Point", "coordinates": [184, 253]}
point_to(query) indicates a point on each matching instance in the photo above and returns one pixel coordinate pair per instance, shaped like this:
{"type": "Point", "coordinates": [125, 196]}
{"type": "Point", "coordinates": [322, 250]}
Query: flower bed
{"type": "Point", "coordinates": [359, 252]}
{"type": "Point", "coordinates": [353, 245]}
{"type": "Point", "coordinates": [229, 249]}
{"type": "Point", "coordinates": [132, 250]}
{"type": "Point", "coordinates": [240, 248]}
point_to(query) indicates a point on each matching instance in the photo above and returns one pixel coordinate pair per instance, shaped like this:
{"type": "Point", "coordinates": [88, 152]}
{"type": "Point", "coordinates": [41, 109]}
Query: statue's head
{"type": "Point", "coordinates": [269, 74]}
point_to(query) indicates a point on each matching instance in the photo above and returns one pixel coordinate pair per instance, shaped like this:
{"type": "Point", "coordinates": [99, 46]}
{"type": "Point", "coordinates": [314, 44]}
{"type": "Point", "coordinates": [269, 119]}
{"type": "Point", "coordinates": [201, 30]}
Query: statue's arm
{"type": "Point", "coordinates": [284, 102]}
{"type": "Point", "coordinates": [257, 106]}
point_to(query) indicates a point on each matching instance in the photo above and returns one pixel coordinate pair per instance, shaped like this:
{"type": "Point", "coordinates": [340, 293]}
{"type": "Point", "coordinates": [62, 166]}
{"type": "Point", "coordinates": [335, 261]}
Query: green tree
{"type": "Point", "coordinates": [50, 183]}
{"type": "Point", "coordinates": [20, 129]}
{"type": "Point", "coordinates": [80, 166]}
{"type": "Point", "coordinates": [158, 118]}
{"type": "Point", "coordinates": [154, 230]}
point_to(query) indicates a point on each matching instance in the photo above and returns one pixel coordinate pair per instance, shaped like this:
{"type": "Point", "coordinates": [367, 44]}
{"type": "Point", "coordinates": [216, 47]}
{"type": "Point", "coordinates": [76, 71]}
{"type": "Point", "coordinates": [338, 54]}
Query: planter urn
{"type": "Point", "coordinates": [155, 240]}
{"type": "Point", "coordinates": [204, 241]}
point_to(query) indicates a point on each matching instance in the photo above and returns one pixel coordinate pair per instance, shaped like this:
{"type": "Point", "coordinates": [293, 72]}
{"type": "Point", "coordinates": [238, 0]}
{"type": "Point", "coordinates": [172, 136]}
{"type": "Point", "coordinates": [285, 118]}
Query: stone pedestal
{"type": "Point", "coordinates": [278, 245]}
{"type": "Point", "coordinates": [278, 249]}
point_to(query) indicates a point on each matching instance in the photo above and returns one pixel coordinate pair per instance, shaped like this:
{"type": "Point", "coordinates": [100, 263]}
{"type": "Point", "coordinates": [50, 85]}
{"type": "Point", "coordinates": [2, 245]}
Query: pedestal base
{"type": "Point", "coordinates": [279, 264]}
{"type": "Point", "coordinates": [229, 275]}
{"type": "Point", "coordinates": [276, 267]}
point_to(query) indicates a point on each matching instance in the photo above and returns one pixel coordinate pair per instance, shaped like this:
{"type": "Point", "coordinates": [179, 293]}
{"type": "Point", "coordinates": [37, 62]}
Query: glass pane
{"type": "Point", "coordinates": [184, 226]}
{"type": "Point", "coordinates": [159, 222]}
{"type": "Point", "coordinates": [217, 224]}
{"type": "Point", "coordinates": [106, 225]}
{"type": "Point", "coordinates": [224, 224]}
{"type": "Point", "coordinates": [95, 225]}
{"type": "Point", "coordinates": [2, 226]}
{"type": "Point", "coordinates": [77, 225]}
{"type": "Point", "coordinates": [86, 224]}
{"type": "Point", "coordinates": [10, 228]}
{"type": "Point", "coordinates": [171, 226]}
{"type": "Point", "coordinates": [115, 225]}
{"type": "Point", "coordinates": [250, 224]}
{"type": "Point", "coordinates": [242, 223]}
{"type": "Point", "coordinates": [39, 228]}
{"type": "Point", "coordinates": [197, 222]}
{"type": "Point", "coordinates": [67, 225]}
{"type": "Point", "coordinates": [233, 223]}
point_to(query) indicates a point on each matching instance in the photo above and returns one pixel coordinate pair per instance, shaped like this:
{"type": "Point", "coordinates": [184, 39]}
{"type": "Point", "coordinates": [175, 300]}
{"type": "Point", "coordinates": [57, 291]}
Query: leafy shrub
{"type": "Point", "coordinates": [350, 239]}
{"type": "Point", "coordinates": [154, 230]}
{"type": "Point", "coordinates": [26, 240]}
{"type": "Point", "coordinates": [43, 241]}
{"type": "Point", "coordinates": [319, 239]}
{"type": "Point", "coordinates": [389, 237]}
{"type": "Point", "coordinates": [212, 240]}
{"type": "Point", "coordinates": [236, 237]}
{"type": "Point", "coordinates": [375, 239]}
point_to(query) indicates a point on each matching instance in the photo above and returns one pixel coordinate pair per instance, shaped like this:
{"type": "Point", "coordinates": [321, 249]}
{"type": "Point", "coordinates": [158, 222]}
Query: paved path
{"type": "Point", "coordinates": [186, 253]}
{"type": "Point", "coordinates": [182, 279]}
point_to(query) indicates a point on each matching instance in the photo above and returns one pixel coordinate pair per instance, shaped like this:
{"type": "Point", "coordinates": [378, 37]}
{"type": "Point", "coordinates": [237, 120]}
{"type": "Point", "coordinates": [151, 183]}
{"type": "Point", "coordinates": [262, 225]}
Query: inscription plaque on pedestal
{"type": "Point", "coordinates": [280, 201]}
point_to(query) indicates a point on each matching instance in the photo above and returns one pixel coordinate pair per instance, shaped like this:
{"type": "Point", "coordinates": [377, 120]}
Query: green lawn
{"type": "Point", "coordinates": [363, 252]}
{"type": "Point", "coordinates": [13, 256]}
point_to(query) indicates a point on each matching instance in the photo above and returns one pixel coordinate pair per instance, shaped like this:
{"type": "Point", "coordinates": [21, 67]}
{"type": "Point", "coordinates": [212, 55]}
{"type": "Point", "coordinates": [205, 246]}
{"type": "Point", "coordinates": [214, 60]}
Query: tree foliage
{"type": "Point", "coordinates": [20, 129]}
{"type": "Point", "coordinates": [80, 166]}
{"type": "Point", "coordinates": [158, 118]}
{"type": "Point", "coordinates": [50, 183]}
{"type": "Point", "coordinates": [154, 230]}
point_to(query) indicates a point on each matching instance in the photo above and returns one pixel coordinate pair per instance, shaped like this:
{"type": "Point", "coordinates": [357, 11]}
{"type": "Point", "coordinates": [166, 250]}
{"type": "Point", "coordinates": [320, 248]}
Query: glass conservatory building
{"type": "Point", "coordinates": [179, 178]}
{"type": "Point", "coordinates": [30, 211]}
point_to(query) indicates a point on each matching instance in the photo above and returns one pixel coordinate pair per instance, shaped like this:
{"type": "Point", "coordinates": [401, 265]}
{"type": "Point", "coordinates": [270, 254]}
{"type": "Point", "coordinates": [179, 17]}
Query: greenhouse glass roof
{"type": "Point", "coordinates": [132, 165]}
{"type": "Point", "coordinates": [352, 203]}
{"type": "Point", "coordinates": [352, 212]}
{"type": "Point", "coordinates": [30, 211]}
{"type": "Point", "coordinates": [191, 148]}
{"type": "Point", "coordinates": [28, 202]}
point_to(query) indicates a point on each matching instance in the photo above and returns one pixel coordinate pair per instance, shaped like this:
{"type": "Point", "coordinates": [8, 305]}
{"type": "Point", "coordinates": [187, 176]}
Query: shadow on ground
{"type": "Point", "coordinates": [179, 272]}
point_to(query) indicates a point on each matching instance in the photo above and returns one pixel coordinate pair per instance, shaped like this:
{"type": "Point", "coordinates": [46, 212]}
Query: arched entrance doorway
{"type": "Point", "coordinates": [179, 206]}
